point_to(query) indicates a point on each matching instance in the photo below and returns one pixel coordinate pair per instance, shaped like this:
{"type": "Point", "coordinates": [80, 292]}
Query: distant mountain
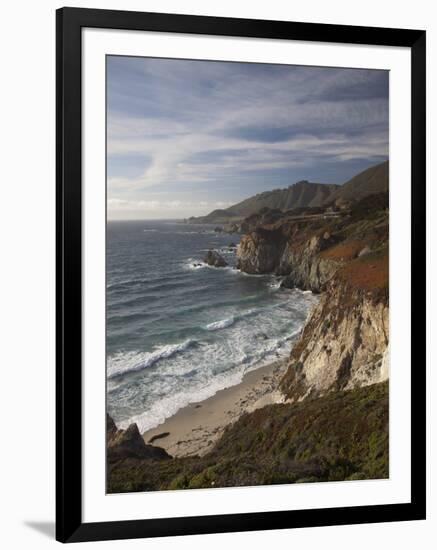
{"type": "Point", "coordinates": [304, 194]}
{"type": "Point", "coordinates": [301, 194]}
{"type": "Point", "coordinates": [370, 182]}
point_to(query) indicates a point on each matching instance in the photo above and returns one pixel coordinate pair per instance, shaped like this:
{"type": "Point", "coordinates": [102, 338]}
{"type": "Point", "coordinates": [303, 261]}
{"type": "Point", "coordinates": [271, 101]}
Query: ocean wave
{"type": "Point", "coordinates": [169, 406]}
{"type": "Point", "coordinates": [257, 275]}
{"type": "Point", "coordinates": [222, 250]}
{"type": "Point", "coordinates": [186, 232]}
{"type": "Point", "coordinates": [207, 356]}
{"type": "Point", "coordinates": [123, 363]}
{"type": "Point", "coordinates": [150, 296]}
{"type": "Point", "coordinates": [125, 284]}
{"type": "Point", "coordinates": [150, 231]}
{"type": "Point", "coordinates": [275, 285]}
{"type": "Point", "coordinates": [198, 390]}
{"type": "Point", "coordinates": [193, 265]}
{"type": "Point", "coordinates": [217, 325]}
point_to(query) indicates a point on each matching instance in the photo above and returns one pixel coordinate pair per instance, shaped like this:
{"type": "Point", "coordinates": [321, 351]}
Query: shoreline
{"type": "Point", "coordinates": [194, 429]}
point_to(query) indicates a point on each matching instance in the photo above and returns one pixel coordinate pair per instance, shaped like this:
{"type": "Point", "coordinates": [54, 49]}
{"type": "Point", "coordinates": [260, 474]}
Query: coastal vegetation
{"type": "Point", "coordinates": [341, 436]}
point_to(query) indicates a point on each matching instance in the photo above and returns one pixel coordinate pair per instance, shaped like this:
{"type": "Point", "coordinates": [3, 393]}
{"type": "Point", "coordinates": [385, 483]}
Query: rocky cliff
{"type": "Point", "coordinates": [291, 251]}
{"type": "Point", "coordinates": [260, 251]}
{"type": "Point", "coordinates": [345, 341]}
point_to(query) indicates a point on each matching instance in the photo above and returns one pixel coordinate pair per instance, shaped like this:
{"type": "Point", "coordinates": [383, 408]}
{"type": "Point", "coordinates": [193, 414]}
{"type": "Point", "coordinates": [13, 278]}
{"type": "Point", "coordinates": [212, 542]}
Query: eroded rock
{"type": "Point", "coordinates": [130, 444]}
{"type": "Point", "coordinates": [213, 258]}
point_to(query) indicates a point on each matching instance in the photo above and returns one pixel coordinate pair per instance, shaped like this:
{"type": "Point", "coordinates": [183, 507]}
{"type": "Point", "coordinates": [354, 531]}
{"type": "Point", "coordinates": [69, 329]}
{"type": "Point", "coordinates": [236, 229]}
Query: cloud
{"type": "Point", "coordinates": [219, 129]}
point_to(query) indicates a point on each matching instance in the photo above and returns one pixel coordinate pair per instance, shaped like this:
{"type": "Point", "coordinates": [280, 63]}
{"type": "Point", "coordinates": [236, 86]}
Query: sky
{"type": "Point", "coordinates": [185, 137]}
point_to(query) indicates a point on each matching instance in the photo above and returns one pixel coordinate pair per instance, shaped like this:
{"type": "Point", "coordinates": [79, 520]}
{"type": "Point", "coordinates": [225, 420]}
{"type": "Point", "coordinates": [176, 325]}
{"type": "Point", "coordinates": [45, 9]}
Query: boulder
{"type": "Point", "coordinates": [214, 259]}
{"type": "Point", "coordinates": [130, 444]}
{"type": "Point", "coordinates": [231, 228]}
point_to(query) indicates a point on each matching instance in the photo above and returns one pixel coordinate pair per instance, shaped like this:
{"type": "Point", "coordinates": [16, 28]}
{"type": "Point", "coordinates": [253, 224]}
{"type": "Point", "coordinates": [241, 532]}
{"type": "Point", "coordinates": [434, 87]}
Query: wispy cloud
{"type": "Point", "coordinates": [217, 131]}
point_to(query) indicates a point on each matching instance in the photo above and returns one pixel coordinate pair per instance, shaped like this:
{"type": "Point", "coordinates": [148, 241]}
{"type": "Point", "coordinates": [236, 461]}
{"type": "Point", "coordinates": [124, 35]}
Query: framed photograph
{"type": "Point", "coordinates": [240, 274]}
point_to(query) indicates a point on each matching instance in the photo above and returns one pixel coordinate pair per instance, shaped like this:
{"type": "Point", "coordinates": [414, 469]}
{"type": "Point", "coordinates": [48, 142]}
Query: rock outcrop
{"type": "Point", "coordinates": [214, 259]}
{"type": "Point", "coordinates": [305, 267]}
{"type": "Point", "coordinates": [260, 251]}
{"type": "Point", "coordinates": [128, 443]}
{"type": "Point", "coordinates": [299, 261]}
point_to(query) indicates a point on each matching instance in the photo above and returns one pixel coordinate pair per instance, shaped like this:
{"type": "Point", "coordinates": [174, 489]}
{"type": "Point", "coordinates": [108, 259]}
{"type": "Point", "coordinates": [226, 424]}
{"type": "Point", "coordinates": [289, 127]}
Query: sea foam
{"type": "Point", "coordinates": [217, 325]}
{"type": "Point", "coordinates": [123, 363]}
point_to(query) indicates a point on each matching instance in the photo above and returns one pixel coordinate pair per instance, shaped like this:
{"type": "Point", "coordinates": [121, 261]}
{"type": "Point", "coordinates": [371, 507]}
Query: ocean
{"type": "Point", "coordinates": [178, 330]}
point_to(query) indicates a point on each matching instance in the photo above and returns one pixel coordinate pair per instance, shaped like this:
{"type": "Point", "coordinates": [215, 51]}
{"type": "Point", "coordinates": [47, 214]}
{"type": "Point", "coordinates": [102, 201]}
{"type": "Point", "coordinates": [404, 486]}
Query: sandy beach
{"type": "Point", "coordinates": [194, 429]}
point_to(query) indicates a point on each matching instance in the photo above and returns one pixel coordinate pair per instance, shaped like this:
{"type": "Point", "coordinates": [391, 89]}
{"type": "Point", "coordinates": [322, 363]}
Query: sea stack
{"type": "Point", "coordinates": [214, 259]}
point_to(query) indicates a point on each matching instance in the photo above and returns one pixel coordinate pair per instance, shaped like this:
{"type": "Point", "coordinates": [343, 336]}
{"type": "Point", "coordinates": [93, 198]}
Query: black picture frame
{"type": "Point", "coordinates": [69, 525]}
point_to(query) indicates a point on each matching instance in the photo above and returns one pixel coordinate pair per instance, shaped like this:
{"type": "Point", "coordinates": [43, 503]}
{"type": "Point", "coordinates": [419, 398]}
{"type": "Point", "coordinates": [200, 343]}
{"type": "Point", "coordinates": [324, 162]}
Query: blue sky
{"type": "Point", "coordinates": [186, 137]}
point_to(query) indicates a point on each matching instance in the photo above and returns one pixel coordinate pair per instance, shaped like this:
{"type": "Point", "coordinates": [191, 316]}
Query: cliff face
{"type": "Point", "coordinates": [260, 251]}
{"type": "Point", "coordinates": [278, 250]}
{"type": "Point", "coordinates": [305, 267]}
{"type": "Point", "coordinates": [345, 341]}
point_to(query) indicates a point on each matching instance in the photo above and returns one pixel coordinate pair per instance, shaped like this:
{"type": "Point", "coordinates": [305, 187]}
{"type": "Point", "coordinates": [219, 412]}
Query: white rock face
{"type": "Point", "coordinates": [344, 345]}
{"type": "Point", "coordinates": [385, 365]}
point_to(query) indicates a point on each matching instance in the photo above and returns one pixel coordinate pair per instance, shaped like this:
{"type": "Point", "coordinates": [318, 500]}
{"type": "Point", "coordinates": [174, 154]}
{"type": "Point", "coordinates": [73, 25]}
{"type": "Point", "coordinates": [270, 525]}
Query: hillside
{"type": "Point", "coordinates": [370, 182]}
{"type": "Point", "coordinates": [301, 194]}
{"type": "Point", "coordinates": [283, 443]}
{"type": "Point", "coordinates": [304, 195]}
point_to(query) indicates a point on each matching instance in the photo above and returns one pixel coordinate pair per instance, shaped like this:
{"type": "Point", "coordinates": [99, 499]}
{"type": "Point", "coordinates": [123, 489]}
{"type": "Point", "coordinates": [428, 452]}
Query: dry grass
{"type": "Point", "coordinates": [368, 273]}
{"type": "Point", "coordinates": [344, 251]}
